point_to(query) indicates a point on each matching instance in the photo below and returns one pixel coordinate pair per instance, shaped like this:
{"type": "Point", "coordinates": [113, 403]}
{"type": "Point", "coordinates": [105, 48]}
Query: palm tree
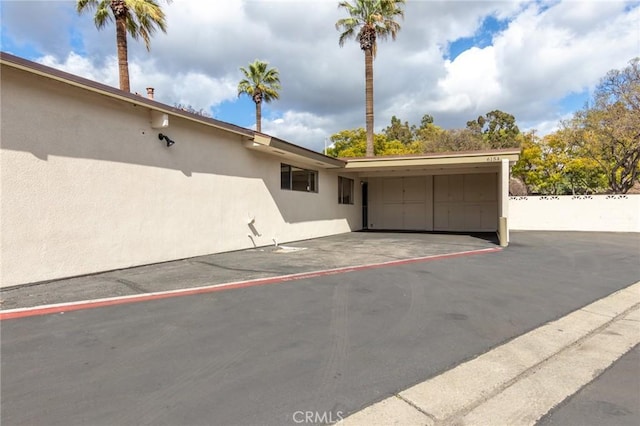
{"type": "Point", "coordinates": [261, 84]}
{"type": "Point", "coordinates": [369, 20]}
{"type": "Point", "coordinates": [139, 18]}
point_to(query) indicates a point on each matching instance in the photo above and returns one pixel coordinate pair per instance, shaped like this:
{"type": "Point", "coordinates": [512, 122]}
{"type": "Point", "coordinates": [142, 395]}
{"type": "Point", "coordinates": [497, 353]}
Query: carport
{"type": "Point", "coordinates": [454, 192]}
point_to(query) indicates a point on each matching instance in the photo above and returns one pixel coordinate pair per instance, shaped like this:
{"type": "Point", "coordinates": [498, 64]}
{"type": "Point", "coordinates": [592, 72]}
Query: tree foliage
{"type": "Point", "coordinates": [550, 165]}
{"type": "Point", "coordinates": [368, 21]}
{"type": "Point", "coordinates": [597, 150]}
{"type": "Point", "coordinates": [607, 132]}
{"type": "Point", "coordinates": [494, 130]}
{"type": "Point", "coordinates": [353, 143]}
{"type": "Point", "coordinates": [453, 140]}
{"type": "Point", "coordinates": [497, 128]}
{"type": "Point", "coordinates": [401, 138]}
{"type": "Point", "coordinates": [138, 18]}
{"type": "Point", "coordinates": [398, 131]}
{"type": "Point", "coordinates": [261, 84]}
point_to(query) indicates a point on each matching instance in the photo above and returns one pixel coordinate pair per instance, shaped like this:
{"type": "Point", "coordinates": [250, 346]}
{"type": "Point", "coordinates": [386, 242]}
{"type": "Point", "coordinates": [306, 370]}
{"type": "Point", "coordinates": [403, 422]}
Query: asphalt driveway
{"type": "Point", "coordinates": [329, 344]}
{"type": "Point", "coordinates": [336, 251]}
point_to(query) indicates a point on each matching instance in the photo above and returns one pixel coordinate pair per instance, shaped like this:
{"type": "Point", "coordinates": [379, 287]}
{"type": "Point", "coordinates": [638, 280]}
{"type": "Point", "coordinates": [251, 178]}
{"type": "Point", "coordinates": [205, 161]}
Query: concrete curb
{"type": "Point", "coordinates": [521, 380]}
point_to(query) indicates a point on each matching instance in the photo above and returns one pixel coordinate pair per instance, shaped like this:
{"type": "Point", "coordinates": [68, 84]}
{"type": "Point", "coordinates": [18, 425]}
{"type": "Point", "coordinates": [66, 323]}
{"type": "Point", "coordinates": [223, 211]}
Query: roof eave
{"type": "Point", "coordinates": [114, 93]}
{"type": "Point", "coordinates": [292, 153]}
{"type": "Point", "coordinates": [485, 158]}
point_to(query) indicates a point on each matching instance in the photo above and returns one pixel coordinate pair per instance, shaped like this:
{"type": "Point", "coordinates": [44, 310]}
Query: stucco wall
{"type": "Point", "coordinates": [87, 186]}
{"type": "Point", "coordinates": [614, 213]}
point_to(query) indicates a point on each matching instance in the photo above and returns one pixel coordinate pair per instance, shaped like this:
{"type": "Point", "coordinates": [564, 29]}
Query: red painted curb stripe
{"type": "Point", "coordinates": [90, 304]}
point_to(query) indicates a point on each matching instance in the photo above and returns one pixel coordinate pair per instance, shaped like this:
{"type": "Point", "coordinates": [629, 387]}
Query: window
{"type": "Point", "coordinates": [298, 179]}
{"type": "Point", "coordinates": [345, 190]}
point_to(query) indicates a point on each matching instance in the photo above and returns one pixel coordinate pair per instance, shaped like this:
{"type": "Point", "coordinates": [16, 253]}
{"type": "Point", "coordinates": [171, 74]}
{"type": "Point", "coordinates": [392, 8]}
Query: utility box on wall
{"type": "Point", "coordinates": [159, 120]}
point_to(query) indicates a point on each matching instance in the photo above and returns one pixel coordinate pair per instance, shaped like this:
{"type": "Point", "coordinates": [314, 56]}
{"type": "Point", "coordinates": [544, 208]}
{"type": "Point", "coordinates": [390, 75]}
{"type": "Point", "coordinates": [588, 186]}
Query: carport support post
{"type": "Point", "coordinates": [503, 203]}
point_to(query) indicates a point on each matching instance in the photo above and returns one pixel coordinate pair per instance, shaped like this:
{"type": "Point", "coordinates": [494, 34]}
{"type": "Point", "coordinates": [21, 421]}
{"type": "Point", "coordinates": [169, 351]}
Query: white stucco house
{"type": "Point", "coordinates": [95, 179]}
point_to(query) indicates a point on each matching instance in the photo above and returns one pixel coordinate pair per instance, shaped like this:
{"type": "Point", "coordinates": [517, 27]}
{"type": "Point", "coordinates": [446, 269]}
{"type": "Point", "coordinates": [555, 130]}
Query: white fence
{"type": "Point", "coordinates": [613, 213]}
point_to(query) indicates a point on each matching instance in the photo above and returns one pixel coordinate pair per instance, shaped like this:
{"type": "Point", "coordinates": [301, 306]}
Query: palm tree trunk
{"type": "Point", "coordinates": [258, 117]}
{"type": "Point", "coordinates": [368, 80]}
{"type": "Point", "coordinates": [123, 60]}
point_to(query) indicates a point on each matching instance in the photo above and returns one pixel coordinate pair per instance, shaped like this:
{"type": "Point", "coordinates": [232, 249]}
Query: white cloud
{"type": "Point", "coordinates": [84, 67]}
{"type": "Point", "coordinates": [305, 129]}
{"type": "Point", "coordinates": [535, 62]}
{"type": "Point", "coordinates": [192, 88]}
{"type": "Point", "coordinates": [471, 82]}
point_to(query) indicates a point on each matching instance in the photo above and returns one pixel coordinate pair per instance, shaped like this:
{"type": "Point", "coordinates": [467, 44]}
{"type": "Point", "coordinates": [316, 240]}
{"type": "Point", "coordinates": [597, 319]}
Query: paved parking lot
{"type": "Point", "coordinates": [329, 344]}
{"type": "Point", "coordinates": [337, 251]}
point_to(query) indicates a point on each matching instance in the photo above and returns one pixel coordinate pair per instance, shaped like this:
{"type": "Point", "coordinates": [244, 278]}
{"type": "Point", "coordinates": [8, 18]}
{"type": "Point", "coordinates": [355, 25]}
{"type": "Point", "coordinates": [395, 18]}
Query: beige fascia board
{"type": "Point", "coordinates": [380, 163]}
{"type": "Point", "coordinates": [307, 154]}
{"type": "Point", "coordinates": [426, 171]}
{"type": "Point", "coordinates": [261, 139]}
{"type": "Point", "coordinates": [291, 153]}
{"type": "Point", "coordinates": [135, 100]}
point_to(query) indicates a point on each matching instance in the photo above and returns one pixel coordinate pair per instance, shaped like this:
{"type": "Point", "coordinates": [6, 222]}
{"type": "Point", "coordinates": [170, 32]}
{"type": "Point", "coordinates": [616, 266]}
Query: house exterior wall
{"type": "Point", "coordinates": [602, 213]}
{"type": "Point", "coordinates": [87, 186]}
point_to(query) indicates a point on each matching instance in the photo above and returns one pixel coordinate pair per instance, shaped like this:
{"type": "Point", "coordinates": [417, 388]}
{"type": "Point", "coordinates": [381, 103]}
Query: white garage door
{"type": "Point", "coordinates": [465, 202]}
{"type": "Point", "coordinates": [403, 203]}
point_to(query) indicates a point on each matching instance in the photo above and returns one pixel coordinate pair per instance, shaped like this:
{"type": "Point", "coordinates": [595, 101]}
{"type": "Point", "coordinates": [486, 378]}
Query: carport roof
{"type": "Point", "coordinates": [442, 160]}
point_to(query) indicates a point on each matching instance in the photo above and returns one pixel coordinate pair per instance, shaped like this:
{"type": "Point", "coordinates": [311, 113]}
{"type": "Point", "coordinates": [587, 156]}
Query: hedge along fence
{"type": "Point", "coordinates": [613, 213]}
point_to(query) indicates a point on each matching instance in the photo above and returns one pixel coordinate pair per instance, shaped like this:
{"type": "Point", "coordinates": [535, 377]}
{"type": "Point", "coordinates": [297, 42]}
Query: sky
{"type": "Point", "coordinates": [455, 60]}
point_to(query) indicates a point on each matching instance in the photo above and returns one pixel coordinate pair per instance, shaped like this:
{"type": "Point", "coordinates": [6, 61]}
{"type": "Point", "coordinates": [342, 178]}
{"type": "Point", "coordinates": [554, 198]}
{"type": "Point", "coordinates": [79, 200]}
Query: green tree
{"type": "Point", "coordinates": [428, 134]}
{"type": "Point", "coordinates": [368, 21]}
{"type": "Point", "coordinates": [261, 83]}
{"type": "Point", "coordinates": [353, 143]}
{"type": "Point", "coordinates": [426, 120]}
{"type": "Point", "coordinates": [608, 131]}
{"type": "Point", "coordinates": [529, 167]}
{"type": "Point", "coordinates": [554, 160]}
{"type": "Point", "coordinates": [398, 131]}
{"type": "Point", "coordinates": [579, 174]}
{"type": "Point", "coordinates": [498, 128]}
{"type": "Point", "coordinates": [552, 166]}
{"type": "Point", "coordinates": [476, 126]}
{"type": "Point", "coordinates": [139, 18]}
{"type": "Point", "coordinates": [348, 143]}
{"type": "Point", "coordinates": [584, 176]}
{"type": "Point", "coordinates": [454, 140]}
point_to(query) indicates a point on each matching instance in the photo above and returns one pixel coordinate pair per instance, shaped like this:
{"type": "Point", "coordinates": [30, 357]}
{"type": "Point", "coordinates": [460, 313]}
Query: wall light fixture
{"type": "Point", "coordinates": [166, 138]}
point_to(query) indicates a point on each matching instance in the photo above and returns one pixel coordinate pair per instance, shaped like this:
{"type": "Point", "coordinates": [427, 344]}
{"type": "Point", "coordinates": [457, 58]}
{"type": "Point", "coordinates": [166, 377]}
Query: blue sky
{"type": "Point", "coordinates": [538, 60]}
{"type": "Point", "coordinates": [482, 38]}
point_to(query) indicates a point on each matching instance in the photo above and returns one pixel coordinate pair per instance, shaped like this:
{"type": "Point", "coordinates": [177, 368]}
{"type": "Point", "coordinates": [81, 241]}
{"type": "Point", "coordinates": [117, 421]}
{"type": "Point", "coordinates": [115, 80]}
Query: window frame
{"type": "Point", "coordinates": [350, 183]}
{"type": "Point", "coordinates": [290, 179]}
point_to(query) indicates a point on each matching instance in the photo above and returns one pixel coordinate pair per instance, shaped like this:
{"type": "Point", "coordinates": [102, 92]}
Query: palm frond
{"type": "Point", "coordinates": [143, 18]}
{"type": "Point", "coordinates": [260, 79]}
{"type": "Point", "coordinates": [365, 16]}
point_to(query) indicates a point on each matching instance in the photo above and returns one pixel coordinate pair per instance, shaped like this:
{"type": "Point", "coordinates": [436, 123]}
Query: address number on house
{"type": "Point", "coordinates": [493, 159]}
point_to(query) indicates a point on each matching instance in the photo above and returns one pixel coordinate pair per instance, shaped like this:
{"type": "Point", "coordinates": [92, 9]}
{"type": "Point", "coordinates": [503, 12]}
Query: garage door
{"type": "Point", "coordinates": [465, 202]}
{"type": "Point", "coordinates": [402, 203]}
